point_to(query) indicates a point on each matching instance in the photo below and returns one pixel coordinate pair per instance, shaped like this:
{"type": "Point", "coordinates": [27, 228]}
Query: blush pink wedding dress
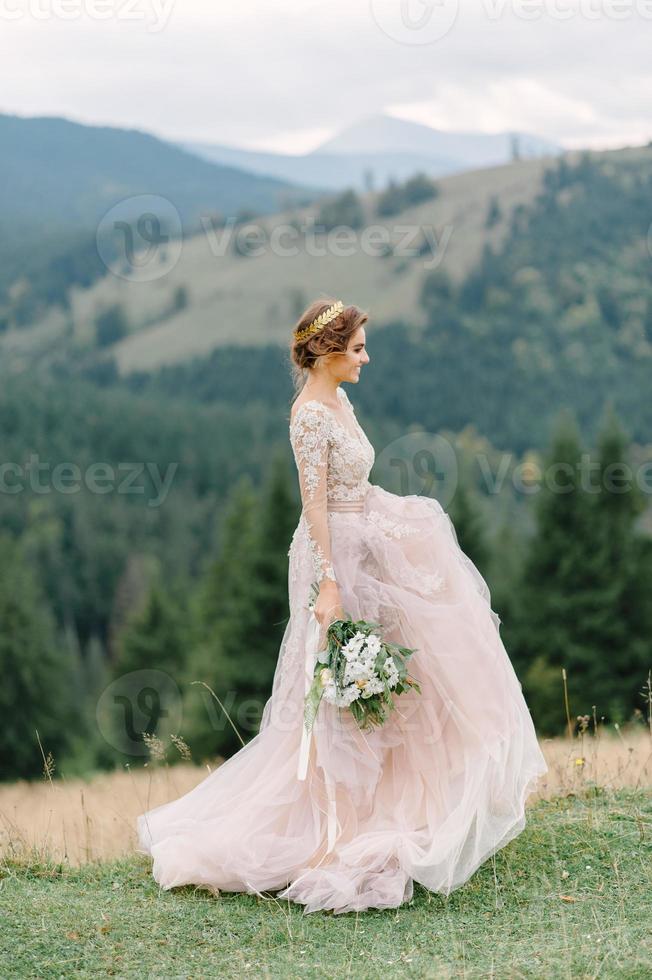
{"type": "Point", "coordinates": [349, 820]}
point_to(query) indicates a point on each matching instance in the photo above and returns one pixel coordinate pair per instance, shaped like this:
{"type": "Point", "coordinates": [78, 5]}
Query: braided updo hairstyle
{"type": "Point", "coordinates": [331, 339]}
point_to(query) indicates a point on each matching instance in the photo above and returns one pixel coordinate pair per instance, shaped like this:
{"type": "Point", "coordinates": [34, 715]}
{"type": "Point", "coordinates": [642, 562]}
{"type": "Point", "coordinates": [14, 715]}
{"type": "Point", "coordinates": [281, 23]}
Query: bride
{"type": "Point", "coordinates": [351, 819]}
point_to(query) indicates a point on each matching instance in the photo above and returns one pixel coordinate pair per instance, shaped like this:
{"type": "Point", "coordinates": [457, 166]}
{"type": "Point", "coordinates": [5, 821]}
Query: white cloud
{"type": "Point", "coordinates": [505, 104]}
{"type": "Point", "coordinates": [286, 74]}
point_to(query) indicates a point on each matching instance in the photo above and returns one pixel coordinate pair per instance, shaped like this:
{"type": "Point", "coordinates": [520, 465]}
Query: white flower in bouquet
{"type": "Point", "coordinates": [360, 671]}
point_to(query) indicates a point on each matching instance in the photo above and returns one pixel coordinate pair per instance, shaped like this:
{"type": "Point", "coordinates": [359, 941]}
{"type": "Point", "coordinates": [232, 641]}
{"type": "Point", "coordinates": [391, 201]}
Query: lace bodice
{"type": "Point", "coordinates": [334, 459]}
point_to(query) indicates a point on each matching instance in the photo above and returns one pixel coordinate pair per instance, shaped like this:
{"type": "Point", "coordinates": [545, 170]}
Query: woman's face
{"type": "Point", "coordinates": [347, 366]}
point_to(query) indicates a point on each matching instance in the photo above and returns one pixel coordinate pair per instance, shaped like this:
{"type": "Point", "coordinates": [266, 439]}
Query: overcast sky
{"type": "Point", "coordinates": [287, 74]}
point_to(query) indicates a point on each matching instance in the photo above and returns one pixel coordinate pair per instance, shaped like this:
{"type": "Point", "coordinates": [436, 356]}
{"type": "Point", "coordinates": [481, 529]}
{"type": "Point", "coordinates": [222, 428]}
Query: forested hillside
{"type": "Point", "coordinates": [243, 282]}
{"type": "Point", "coordinates": [139, 533]}
{"type": "Point", "coordinates": [59, 178]}
{"type": "Point", "coordinates": [160, 542]}
{"type": "Point", "coordinates": [559, 314]}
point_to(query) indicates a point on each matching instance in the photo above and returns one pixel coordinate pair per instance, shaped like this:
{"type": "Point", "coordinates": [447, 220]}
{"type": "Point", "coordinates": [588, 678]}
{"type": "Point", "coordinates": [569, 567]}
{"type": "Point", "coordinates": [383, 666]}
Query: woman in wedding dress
{"type": "Point", "coordinates": [350, 819]}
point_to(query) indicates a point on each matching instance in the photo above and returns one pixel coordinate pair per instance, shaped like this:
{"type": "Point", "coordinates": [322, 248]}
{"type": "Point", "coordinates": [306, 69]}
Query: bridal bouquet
{"type": "Point", "coordinates": [360, 671]}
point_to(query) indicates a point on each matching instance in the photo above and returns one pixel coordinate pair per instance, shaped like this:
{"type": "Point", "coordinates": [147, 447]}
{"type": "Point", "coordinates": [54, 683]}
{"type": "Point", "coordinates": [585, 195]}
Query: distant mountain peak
{"type": "Point", "coordinates": [383, 133]}
{"type": "Point", "coordinates": [379, 133]}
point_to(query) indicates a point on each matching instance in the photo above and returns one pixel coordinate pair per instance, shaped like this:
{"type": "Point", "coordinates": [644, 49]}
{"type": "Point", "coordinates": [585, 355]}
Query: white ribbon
{"type": "Point", "coordinates": [312, 649]}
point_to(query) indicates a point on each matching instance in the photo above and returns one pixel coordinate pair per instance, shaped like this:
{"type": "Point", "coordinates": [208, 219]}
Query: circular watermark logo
{"type": "Point", "coordinates": [140, 238]}
{"type": "Point", "coordinates": [142, 701]}
{"type": "Point", "coordinates": [415, 21]}
{"type": "Point", "coordinates": [419, 463]}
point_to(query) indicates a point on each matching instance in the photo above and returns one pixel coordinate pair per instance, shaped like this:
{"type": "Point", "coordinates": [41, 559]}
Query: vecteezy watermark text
{"type": "Point", "coordinates": [98, 478]}
{"type": "Point", "coordinates": [565, 9]}
{"type": "Point", "coordinates": [154, 13]}
{"type": "Point", "coordinates": [426, 464]}
{"type": "Point", "coordinates": [419, 22]}
{"type": "Point", "coordinates": [291, 239]}
{"type": "Point", "coordinates": [141, 238]}
{"type": "Point", "coordinates": [149, 701]}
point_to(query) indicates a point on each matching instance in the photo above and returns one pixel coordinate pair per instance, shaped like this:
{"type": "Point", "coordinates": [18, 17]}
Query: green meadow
{"type": "Point", "coordinates": [570, 897]}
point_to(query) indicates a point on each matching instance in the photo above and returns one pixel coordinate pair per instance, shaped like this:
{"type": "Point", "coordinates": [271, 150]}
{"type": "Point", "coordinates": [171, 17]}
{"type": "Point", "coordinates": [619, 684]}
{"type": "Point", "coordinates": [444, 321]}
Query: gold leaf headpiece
{"type": "Point", "coordinates": [320, 322]}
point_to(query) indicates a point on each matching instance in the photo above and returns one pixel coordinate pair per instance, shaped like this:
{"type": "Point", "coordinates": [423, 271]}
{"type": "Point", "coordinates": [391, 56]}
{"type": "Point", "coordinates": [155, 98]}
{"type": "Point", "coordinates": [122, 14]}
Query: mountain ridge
{"type": "Point", "coordinates": [390, 147]}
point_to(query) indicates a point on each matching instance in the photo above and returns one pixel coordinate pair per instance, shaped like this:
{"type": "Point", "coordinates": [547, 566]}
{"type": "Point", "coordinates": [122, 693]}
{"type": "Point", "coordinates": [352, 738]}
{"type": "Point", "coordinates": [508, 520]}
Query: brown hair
{"type": "Point", "coordinates": [331, 339]}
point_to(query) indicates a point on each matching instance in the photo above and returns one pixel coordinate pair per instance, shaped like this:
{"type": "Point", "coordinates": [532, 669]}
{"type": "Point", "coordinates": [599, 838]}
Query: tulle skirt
{"type": "Point", "coordinates": [351, 819]}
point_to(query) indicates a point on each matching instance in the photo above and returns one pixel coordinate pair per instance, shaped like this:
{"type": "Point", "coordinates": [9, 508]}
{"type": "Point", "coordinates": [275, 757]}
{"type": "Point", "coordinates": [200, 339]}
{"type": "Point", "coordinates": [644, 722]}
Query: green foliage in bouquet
{"type": "Point", "coordinates": [359, 670]}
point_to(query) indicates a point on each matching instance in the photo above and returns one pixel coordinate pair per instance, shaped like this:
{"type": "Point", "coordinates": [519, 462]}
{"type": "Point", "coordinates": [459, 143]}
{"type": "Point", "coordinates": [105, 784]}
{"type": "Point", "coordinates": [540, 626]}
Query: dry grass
{"type": "Point", "coordinates": [78, 820]}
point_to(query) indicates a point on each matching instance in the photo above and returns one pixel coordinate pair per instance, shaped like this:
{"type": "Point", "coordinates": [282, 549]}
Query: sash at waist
{"type": "Point", "coordinates": [345, 505]}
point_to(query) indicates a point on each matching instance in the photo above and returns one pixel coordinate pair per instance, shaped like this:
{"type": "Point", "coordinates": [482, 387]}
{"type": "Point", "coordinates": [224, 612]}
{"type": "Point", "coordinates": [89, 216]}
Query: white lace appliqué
{"type": "Point", "coordinates": [426, 582]}
{"type": "Point", "coordinates": [334, 462]}
{"type": "Point", "coordinates": [393, 529]}
{"type": "Point", "coordinates": [309, 436]}
{"type": "Point", "coordinates": [321, 564]}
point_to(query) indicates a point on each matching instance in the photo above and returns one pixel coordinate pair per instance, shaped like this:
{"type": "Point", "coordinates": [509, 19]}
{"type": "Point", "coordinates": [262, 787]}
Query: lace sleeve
{"type": "Point", "coordinates": [309, 436]}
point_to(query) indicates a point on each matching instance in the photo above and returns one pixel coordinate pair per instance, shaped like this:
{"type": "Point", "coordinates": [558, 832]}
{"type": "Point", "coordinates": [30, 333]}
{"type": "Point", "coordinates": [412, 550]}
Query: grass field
{"type": "Point", "coordinates": [570, 897]}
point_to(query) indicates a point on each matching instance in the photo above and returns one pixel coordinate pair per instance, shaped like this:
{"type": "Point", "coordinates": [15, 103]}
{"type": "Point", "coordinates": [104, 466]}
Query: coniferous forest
{"type": "Point", "coordinates": [145, 519]}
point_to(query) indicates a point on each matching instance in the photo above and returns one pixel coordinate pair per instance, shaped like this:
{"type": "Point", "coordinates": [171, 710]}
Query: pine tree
{"type": "Point", "coordinates": [469, 527]}
{"type": "Point", "coordinates": [38, 677]}
{"type": "Point", "coordinates": [507, 563]}
{"type": "Point", "coordinates": [556, 598]}
{"type": "Point", "coordinates": [584, 602]}
{"type": "Point", "coordinates": [222, 653]}
{"type": "Point", "coordinates": [89, 748]}
{"type": "Point", "coordinates": [140, 571]}
{"type": "Point", "coordinates": [243, 611]}
{"type": "Point", "coordinates": [152, 653]}
{"type": "Point", "coordinates": [154, 638]}
{"type": "Point", "coordinates": [277, 519]}
{"type": "Point", "coordinates": [624, 558]}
